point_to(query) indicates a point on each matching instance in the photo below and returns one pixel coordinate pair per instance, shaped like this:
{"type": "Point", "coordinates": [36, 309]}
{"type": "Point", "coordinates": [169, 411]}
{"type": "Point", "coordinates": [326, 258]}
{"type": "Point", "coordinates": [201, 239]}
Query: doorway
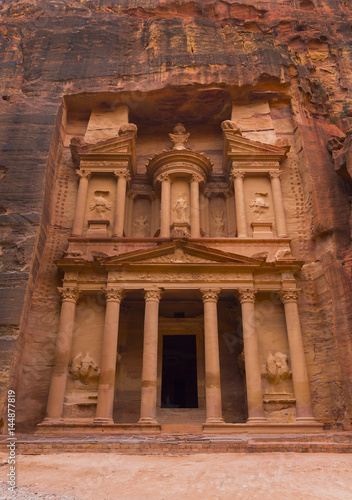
{"type": "Point", "coordinates": [179, 372]}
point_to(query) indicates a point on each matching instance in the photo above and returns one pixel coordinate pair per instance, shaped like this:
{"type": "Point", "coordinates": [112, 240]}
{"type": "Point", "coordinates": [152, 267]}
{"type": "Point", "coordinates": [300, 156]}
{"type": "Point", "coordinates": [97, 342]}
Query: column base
{"type": "Point", "coordinates": [214, 420]}
{"type": "Point", "coordinates": [148, 421]}
{"type": "Point", "coordinates": [103, 421]}
{"type": "Point", "coordinates": [52, 421]}
{"type": "Point", "coordinates": [306, 420]}
{"type": "Point", "coordinates": [256, 420]}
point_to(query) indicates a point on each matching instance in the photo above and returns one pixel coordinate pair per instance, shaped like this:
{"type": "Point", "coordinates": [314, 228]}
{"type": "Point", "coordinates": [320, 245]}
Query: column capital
{"type": "Point", "coordinates": [84, 174]}
{"type": "Point", "coordinates": [69, 294]}
{"type": "Point", "coordinates": [290, 295]}
{"type": "Point", "coordinates": [210, 294]}
{"type": "Point", "coordinates": [152, 294]}
{"type": "Point", "coordinates": [132, 195]}
{"type": "Point", "coordinates": [163, 177]}
{"type": "Point", "coordinates": [246, 295]}
{"type": "Point", "coordinates": [237, 174]}
{"type": "Point", "coordinates": [197, 178]}
{"type": "Point", "coordinates": [114, 294]}
{"type": "Point", "coordinates": [275, 174]}
{"type": "Point", "coordinates": [122, 172]}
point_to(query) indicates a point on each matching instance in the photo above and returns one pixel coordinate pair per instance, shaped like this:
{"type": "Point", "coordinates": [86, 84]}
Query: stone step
{"type": "Point", "coordinates": [176, 444]}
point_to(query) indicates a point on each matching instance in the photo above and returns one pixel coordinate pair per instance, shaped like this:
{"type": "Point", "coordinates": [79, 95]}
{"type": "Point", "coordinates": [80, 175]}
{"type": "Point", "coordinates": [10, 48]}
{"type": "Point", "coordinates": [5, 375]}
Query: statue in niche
{"type": "Point", "coordinates": [277, 368]}
{"type": "Point", "coordinates": [179, 137]}
{"type": "Point", "coordinates": [181, 207]}
{"type": "Point", "coordinates": [84, 368]}
{"type": "Point", "coordinates": [218, 222]}
{"type": "Point", "coordinates": [141, 226]}
{"type": "Point", "coordinates": [100, 205]}
{"type": "Point", "coordinates": [259, 205]}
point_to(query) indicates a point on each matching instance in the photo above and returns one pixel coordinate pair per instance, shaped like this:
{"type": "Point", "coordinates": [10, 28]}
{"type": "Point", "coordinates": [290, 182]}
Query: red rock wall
{"type": "Point", "coordinates": [278, 50]}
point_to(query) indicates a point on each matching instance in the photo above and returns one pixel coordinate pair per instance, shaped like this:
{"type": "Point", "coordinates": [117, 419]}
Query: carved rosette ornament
{"type": "Point", "coordinates": [113, 294]}
{"type": "Point", "coordinates": [210, 294]}
{"type": "Point", "coordinates": [275, 174]}
{"type": "Point", "coordinates": [289, 295]}
{"type": "Point", "coordinates": [247, 295]}
{"type": "Point", "coordinates": [153, 294]}
{"type": "Point", "coordinates": [69, 294]}
{"type": "Point", "coordinates": [237, 174]}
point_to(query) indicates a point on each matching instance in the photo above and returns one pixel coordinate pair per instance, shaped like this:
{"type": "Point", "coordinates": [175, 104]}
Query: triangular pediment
{"type": "Point", "coordinates": [180, 253]}
{"type": "Point", "coordinates": [236, 145]}
{"type": "Point", "coordinates": [119, 148]}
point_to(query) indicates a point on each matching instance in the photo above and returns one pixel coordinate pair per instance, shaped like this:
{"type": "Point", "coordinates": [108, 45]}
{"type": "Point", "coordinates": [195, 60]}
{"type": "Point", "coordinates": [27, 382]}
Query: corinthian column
{"type": "Point", "coordinates": [57, 388]}
{"type": "Point", "coordinates": [251, 357]}
{"type": "Point", "coordinates": [84, 176]}
{"type": "Point", "coordinates": [195, 218]}
{"type": "Point", "coordinates": [122, 177]}
{"type": "Point", "coordinates": [278, 204]}
{"type": "Point", "coordinates": [165, 205]}
{"type": "Point", "coordinates": [104, 413]}
{"type": "Point", "coordinates": [237, 176]}
{"type": "Point", "coordinates": [298, 363]}
{"type": "Point", "coordinates": [150, 357]}
{"type": "Point", "coordinates": [213, 403]}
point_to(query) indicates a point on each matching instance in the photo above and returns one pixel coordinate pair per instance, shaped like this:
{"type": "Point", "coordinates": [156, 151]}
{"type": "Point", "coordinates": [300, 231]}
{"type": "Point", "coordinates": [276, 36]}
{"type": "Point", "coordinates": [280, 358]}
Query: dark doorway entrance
{"type": "Point", "coordinates": [179, 372]}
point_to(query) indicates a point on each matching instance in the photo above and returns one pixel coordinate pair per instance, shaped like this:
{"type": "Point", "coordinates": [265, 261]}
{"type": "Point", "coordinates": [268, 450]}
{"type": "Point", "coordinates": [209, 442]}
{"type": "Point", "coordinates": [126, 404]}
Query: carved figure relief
{"type": "Point", "coordinates": [277, 368]}
{"type": "Point", "coordinates": [181, 209]}
{"type": "Point", "coordinates": [259, 205]}
{"type": "Point", "coordinates": [100, 206]}
{"type": "Point", "coordinates": [84, 368]}
{"type": "Point", "coordinates": [141, 226]}
{"type": "Point", "coordinates": [218, 222]}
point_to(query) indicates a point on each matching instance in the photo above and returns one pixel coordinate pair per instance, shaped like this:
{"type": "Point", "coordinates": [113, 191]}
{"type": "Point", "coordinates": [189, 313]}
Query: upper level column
{"type": "Point", "coordinates": [122, 177]}
{"type": "Point", "coordinates": [195, 217]}
{"type": "Point", "coordinates": [213, 402]}
{"type": "Point", "coordinates": [251, 356]}
{"type": "Point", "coordinates": [84, 176]}
{"type": "Point", "coordinates": [165, 205]}
{"type": "Point", "coordinates": [278, 204]}
{"type": "Point", "coordinates": [298, 363]}
{"type": "Point", "coordinates": [54, 410]}
{"type": "Point", "coordinates": [104, 413]}
{"type": "Point", "coordinates": [238, 176]}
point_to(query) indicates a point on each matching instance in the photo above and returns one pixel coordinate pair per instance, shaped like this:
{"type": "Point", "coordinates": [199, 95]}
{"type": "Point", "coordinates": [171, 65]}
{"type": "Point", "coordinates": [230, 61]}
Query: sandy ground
{"type": "Point", "coordinates": [197, 477]}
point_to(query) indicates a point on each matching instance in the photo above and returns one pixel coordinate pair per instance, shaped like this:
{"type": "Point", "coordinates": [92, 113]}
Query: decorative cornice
{"type": "Point", "coordinates": [69, 294]}
{"type": "Point", "coordinates": [290, 295]}
{"type": "Point", "coordinates": [210, 294]}
{"type": "Point", "coordinates": [114, 294]}
{"type": "Point", "coordinates": [246, 295]}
